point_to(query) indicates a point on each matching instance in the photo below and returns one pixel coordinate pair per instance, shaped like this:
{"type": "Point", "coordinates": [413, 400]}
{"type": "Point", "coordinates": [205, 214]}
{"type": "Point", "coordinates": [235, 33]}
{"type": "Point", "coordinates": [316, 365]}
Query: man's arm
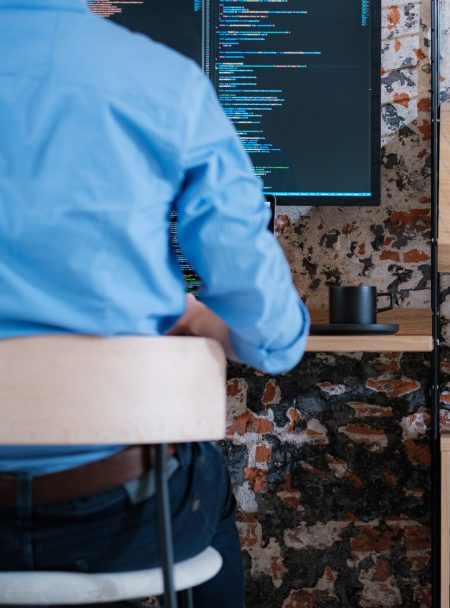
{"type": "Point", "coordinates": [222, 227]}
{"type": "Point", "coordinates": [198, 320]}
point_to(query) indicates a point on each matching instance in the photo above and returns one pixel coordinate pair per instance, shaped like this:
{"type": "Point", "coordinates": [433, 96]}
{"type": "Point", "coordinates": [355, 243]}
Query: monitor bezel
{"type": "Point", "coordinates": [271, 199]}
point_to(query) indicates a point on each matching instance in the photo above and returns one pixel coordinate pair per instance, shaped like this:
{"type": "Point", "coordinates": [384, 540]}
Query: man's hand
{"type": "Point", "coordinates": [183, 326]}
{"type": "Point", "coordinates": [199, 320]}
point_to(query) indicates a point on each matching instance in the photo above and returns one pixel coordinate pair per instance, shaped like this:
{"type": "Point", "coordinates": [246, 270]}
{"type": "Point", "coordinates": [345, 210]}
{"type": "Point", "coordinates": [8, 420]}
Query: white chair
{"type": "Point", "coordinates": [72, 390]}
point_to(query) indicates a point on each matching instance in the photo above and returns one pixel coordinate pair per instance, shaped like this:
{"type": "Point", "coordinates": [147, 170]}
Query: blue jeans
{"type": "Point", "coordinates": [113, 531]}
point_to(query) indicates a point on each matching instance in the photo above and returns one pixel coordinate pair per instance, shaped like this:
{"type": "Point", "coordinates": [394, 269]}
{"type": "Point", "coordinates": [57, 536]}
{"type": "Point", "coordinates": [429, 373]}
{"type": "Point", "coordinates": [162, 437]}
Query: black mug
{"type": "Point", "coordinates": [356, 304]}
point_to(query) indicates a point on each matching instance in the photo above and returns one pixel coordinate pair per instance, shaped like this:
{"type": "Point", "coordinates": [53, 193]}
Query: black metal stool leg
{"type": "Point", "coordinates": [186, 598]}
{"type": "Point", "coordinates": [165, 525]}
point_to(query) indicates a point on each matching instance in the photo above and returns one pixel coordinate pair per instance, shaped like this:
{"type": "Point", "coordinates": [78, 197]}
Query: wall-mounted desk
{"type": "Point", "coordinates": [414, 334]}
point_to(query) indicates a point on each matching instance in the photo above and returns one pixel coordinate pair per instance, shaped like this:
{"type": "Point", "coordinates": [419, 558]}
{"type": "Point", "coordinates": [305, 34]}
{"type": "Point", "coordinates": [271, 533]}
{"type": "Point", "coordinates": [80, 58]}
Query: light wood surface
{"type": "Point", "coordinates": [88, 390]}
{"type": "Point", "coordinates": [414, 334]}
{"type": "Point", "coordinates": [444, 189]}
{"type": "Point", "coordinates": [369, 344]}
{"type": "Point", "coordinates": [445, 442]}
{"type": "Point", "coordinates": [444, 256]}
{"type": "Point", "coordinates": [445, 521]}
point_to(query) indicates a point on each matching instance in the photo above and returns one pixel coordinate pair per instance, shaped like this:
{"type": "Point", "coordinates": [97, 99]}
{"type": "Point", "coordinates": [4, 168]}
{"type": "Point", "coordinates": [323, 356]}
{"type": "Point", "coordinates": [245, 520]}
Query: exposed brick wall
{"type": "Point", "coordinates": [331, 470]}
{"type": "Point", "coordinates": [331, 462]}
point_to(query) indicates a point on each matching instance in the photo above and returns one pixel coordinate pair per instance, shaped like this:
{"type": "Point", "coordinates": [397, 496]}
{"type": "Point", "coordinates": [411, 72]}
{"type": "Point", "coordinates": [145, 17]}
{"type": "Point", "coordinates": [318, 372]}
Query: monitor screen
{"type": "Point", "coordinates": [300, 80]}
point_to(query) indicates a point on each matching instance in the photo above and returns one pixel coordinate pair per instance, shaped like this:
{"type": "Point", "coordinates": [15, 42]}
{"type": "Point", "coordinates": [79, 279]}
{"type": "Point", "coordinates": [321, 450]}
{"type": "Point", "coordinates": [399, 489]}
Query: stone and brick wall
{"type": "Point", "coordinates": [331, 468]}
{"type": "Point", "coordinates": [331, 462]}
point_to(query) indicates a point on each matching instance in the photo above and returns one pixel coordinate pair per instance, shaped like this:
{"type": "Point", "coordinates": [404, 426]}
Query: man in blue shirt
{"type": "Point", "coordinates": [102, 134]}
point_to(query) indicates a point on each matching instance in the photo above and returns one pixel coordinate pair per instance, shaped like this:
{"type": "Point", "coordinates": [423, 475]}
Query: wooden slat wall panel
{"type": "Point", "coordinates": [445, 516]}
{"type": "Point", "coordinates": [444, 190]}
{"type": "Point", "coordinates": [412, 321]}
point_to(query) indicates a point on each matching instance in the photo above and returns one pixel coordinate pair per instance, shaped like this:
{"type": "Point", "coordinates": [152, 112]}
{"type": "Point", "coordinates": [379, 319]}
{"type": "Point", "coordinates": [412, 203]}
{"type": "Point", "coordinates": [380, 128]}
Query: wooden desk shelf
{"type": "Point", "coordinates": [414, 334]}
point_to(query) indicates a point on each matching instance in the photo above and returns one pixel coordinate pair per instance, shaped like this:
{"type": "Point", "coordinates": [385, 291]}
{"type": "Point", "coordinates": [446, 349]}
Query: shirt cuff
{"type": "Point", "coordinates": [273, 360]}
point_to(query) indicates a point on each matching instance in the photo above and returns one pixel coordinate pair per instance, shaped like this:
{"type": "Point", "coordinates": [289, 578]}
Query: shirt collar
{"type": "Point", "coordinates": [64, 5]}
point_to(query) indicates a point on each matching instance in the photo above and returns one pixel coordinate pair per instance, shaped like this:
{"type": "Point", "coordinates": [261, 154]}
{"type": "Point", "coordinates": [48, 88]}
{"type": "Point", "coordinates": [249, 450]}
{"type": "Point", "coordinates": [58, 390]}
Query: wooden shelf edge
{"type": "Point", "coordinates": [414, 334]}
{"type": "Point", "coordinates": [369, 344]}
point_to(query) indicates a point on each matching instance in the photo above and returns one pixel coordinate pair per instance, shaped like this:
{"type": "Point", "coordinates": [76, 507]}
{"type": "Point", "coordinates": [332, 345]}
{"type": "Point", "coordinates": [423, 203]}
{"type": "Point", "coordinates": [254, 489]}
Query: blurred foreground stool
{"type": "Point", "coordinates": [75, 390]}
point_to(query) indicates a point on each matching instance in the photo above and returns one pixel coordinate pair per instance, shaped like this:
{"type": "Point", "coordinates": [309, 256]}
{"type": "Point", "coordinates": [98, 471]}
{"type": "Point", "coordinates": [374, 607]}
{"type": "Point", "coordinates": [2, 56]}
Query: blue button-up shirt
{"type": "Point", "coordinates": [103, 133]}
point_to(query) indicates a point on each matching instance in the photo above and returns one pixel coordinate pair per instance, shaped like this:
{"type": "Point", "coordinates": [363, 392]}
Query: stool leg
{"type": "Point", "coordinates": [165, 525]}
{"type": "Point", "coordinates": [186, 598]}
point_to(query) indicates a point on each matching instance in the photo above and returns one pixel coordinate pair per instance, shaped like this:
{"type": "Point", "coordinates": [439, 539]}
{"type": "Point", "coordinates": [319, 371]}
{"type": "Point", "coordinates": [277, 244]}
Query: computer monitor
{"type": "Point", "coordinates": [300, 81]}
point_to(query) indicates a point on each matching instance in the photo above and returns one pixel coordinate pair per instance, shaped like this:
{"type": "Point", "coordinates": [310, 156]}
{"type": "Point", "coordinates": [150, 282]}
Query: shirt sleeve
{"type": "Point", "coordinates": [223, 233]}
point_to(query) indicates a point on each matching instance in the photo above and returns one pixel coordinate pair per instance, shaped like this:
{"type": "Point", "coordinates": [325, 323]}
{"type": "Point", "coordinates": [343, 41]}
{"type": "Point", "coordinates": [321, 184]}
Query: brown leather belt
{"type": "Point", "coordinates": [85, 480]}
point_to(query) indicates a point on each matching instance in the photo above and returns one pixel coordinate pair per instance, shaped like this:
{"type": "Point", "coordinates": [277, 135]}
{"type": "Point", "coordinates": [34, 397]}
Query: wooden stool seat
{"type": "Point", "coordinates": [75, 390]}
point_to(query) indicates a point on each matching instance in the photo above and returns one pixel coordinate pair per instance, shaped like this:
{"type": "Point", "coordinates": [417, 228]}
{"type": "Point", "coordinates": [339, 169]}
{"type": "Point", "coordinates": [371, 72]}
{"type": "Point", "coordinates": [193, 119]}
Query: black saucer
{"type": "Point", "coordinates": [340, 329]}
